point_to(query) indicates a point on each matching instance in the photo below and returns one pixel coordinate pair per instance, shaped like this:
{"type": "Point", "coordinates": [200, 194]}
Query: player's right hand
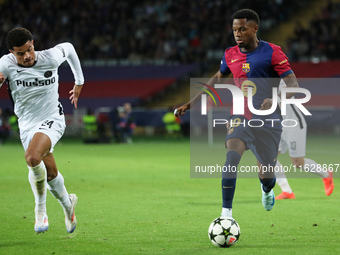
{"type": "Point", "coordinates": [267, 104]}
{"type": "Point", "coordinates": [181, 110]}
{"type": "Point", "coordinates": [2, 78]}
{"type": "Point", "coordinates": [75, 92]}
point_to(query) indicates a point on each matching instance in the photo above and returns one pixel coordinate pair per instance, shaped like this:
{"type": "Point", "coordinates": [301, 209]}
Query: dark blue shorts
{"type": "Point", "coordinates": [262, 141]}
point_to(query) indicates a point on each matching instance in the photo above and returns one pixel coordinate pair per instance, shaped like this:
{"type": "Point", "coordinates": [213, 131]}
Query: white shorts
{"type": "Point", "coordinates": [293, 139]}
{"type": "Point", "coordinates": [53, 127]}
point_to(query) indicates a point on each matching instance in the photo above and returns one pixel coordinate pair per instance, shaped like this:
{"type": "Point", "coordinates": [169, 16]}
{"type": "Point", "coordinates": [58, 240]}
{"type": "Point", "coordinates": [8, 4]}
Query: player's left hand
{"type": "Point", "coordinates": [267, 103]}
{"type": "Point", "coordinates": [75, 92]}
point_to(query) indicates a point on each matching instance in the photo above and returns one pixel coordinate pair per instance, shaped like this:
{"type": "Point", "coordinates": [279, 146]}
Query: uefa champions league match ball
{"type": "Point", "coordinates": [224, 231]}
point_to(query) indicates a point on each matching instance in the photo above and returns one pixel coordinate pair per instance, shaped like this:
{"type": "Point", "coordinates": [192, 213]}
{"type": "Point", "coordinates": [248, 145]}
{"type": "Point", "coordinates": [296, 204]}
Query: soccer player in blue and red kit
{"type": "Point", "coordinates": [258, 63]}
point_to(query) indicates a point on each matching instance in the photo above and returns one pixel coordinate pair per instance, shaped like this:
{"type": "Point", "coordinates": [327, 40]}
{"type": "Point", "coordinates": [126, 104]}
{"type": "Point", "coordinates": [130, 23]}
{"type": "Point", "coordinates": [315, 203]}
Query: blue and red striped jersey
{"type": "Point", "coordinates": [260, 68]}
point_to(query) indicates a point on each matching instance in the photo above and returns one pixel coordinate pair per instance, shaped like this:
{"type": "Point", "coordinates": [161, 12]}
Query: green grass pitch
{"type": "Point", "coordinates": [140, 199]}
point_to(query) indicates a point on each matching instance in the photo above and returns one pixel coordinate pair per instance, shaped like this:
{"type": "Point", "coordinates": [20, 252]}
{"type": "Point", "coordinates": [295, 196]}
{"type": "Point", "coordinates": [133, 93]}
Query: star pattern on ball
{"type": "Point", "coordinates": [224, 231]}
{"type": "Point", "coordinates": [218, 221]}
{"type": "Point", "coordinates": [212, 236]}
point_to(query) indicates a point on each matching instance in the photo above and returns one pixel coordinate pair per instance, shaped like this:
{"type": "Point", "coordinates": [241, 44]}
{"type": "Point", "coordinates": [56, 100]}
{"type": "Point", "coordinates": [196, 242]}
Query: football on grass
{"type": "Point", "coordinates": [224, 231]}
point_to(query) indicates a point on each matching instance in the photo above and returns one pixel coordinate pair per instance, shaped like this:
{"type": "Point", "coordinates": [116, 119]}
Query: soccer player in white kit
{"type": "Point", "coordinates": [293, 139]}
{"type": "Point", "coordinates": [32, 78]}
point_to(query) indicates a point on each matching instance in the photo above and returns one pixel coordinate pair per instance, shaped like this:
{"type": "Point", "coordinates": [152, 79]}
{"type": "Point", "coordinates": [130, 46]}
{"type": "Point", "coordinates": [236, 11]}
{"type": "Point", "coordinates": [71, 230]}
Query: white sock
{"type": "Point", "coordinates": [227, 212]}
{"type": "Point", "coordinates": [281, 178]}
{"type": "Point", "coordinates": [58, 190]}
{"type": "Point", "coordinates": [37, 176]}
{"type": "Point", "coordinates": [312, 167]}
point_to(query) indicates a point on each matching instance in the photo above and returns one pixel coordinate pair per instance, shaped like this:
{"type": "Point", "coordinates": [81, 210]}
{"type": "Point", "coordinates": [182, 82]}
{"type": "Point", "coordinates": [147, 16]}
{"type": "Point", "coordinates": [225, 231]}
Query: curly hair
{"type": "Point", "coordinates": [17, 37]}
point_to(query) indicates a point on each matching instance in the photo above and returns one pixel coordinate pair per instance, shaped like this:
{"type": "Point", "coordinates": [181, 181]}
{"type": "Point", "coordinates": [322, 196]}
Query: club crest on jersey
{"type": "Point", "coordinates": [48, 74]}
{"type": "Point", "coordinates": [245, 67]}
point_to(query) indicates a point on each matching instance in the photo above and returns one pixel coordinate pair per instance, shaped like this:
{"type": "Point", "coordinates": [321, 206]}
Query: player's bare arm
{"type": "Point", "coordinates": [291, 82]}
{"type": "Point", "coordinates": [75, 92]}
{"type": "Point", "coordinates": [181, 110]}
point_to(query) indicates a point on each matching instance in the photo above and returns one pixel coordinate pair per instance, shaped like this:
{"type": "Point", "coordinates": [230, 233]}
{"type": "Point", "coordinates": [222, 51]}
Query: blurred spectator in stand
{"type": "Point", "coordinates": [4, 128]}
{"type": "Point", "coordinates": [172, 123]}
{"type": "Point", "coordinates": [319, 42]}
{"type": "Point", "coordinates": [147, 31]}
{"type": "Point", "coordinates": [126, 123]}
{"type": "Point", "coordinates": [130, 119]}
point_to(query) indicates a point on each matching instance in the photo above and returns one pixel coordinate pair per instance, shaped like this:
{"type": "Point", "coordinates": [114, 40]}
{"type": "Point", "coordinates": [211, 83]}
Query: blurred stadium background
{"type": "Point", "coordinates": [144, 52]}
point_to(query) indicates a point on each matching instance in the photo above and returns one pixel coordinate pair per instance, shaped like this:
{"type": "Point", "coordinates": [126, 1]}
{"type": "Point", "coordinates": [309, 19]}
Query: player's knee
{"type": "Point", "coordinates": [235, 144]}
{"type": "Point", "coordinates": [32, 159]}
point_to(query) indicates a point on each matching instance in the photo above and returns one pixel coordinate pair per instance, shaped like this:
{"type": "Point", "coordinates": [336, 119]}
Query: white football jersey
{"type": "Point", "coordinates": [35, 89]}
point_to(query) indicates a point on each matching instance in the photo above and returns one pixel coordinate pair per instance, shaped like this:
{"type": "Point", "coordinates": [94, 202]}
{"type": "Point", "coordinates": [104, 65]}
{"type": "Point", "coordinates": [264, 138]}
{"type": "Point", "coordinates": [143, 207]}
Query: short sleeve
{"type": "Point", "coordinates": [224, 69]}
{"type": "Point", "coordinates": [280, 62]}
